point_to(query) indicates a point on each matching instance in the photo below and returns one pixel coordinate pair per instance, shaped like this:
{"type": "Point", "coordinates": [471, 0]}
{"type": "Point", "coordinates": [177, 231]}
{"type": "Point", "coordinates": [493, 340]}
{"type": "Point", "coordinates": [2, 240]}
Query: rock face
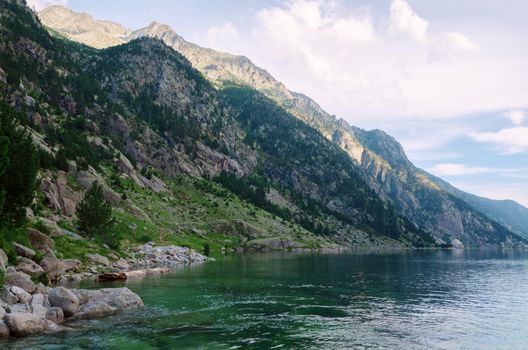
{"type": "Point", "coordinates": [65, 299]}
{"type": "Point", "coordinates": [23, 324]}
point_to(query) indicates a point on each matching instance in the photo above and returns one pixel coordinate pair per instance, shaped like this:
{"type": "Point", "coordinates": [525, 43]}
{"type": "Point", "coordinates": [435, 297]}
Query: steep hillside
{"type": "Point", "coordinates": [444, 211]}
{"type": "Point", "coordinates": [165, 145]}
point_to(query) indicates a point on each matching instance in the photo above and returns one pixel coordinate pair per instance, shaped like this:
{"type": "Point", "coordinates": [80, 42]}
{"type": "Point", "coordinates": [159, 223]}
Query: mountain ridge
{"type": "Point", "coordinates": [385, 165]}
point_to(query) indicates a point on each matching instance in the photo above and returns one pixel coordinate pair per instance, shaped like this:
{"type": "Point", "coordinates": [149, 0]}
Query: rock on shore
{"type": "Point", "coordinates": [45, 312]}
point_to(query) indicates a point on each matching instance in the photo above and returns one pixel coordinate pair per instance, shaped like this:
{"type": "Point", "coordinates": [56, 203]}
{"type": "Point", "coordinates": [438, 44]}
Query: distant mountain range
{"type": "Point", "coordinates": [276, 148]}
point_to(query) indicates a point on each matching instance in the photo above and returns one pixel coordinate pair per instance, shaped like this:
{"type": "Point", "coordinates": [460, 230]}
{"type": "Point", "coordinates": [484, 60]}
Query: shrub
{"type": "Point", "coordinates": [40, 226]}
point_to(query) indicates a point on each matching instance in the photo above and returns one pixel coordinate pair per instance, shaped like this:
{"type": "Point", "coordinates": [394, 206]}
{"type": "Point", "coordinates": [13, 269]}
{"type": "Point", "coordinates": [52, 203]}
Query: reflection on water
{"type": "Point", "coordinates": [470, 299]}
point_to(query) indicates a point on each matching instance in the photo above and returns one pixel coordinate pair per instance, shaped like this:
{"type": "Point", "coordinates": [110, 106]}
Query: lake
{"type": "Point", "coordinates": [430, 299]}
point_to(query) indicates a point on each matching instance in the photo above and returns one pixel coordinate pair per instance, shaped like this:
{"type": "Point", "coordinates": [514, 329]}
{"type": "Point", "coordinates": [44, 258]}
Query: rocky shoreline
{"type": "Point", "coordinates": [28, 306]}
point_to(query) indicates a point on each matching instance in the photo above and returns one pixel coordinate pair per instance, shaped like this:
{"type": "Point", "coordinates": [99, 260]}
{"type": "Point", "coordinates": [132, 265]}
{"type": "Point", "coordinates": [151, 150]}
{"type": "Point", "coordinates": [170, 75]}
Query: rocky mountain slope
{"type": "Point", "coordinates": [180, 161]}
{"type": "Point", "coordinates": [440, 209]}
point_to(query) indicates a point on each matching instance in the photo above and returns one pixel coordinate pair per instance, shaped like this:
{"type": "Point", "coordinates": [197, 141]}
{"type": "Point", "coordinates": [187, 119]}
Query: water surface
{"type": "Point", "coordinates": [468, 299]}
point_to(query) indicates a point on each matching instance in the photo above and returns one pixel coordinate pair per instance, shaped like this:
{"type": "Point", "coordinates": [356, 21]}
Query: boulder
{"type": "Point", "coordinates": [50, 264]}
{"type": "Point", "coordinates": [24, 251]}
{"type": "Point", "coordinates": [37, 305]}
{"type": "Point", "coordinates": [58, 232]}
{"type": "Point", "coordinates": [8, 296]}
{"type": "Point", "coordinates": [457, 244]}
{"type": "Point", "coordinates": [98, 259]}
{"type": "Point", "coordinates": [23, 296]}
{"type": "Point", "coordinates": [68, 265]}
{"type": "Point", "coordinates": [40, 241]}
{"type": "Point", "coordinates": [3, 260]}
{"type": "Point", "coordinates": [29, 266]}
{"type": "Point", "coordinates": [18, 308]}
{"type": "Point", "coordinates": [113, 256]}
{"type": "Point", "coordinates": [121, 264]}
{"type": "Point", "coordinates": [4, 330]}
{"type": "Point", "coordinates": [42, 289]}
{"type": "Point", "coordinates": [3, 312]}
{"type": "Point", "coordinates": [55, 314]}
{"type": "Point", "coordinates": [21, 280]}
{"type": "Point", "coordinates": [65, 299]}
{"type": "Point", "coordinates": [91, 311]}
{"type": "Point", "coordinates": [55, 267]}
{"type": "Point", "coordinates": [23, 324]}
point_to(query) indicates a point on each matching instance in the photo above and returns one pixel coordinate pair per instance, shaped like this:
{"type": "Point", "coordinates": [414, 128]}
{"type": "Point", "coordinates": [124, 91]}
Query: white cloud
{"type": "Point", "coordinates": [39, 5]}
{"type": "Point", "coordinates": [510, 140]}
{"type": "Point", "coordinates": [460, 41]}
{"type": "Point", "coordinates": [453, 169]}
{"type": "Point", "coordinates": [403, 19]}
{"type": "Point", "coordinates": [517, 117]}
{"type": "Point", "coordinates": [227, 31]}
{"type": "Point", "coordinates": [351, 61]}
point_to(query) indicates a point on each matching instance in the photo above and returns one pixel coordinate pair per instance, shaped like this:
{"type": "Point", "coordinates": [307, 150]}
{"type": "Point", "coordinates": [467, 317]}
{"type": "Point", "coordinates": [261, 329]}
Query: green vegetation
{"type": "Point", "coordinates": [2, 278]}
{"type": "Point", "coordinates": [94, 213]}
{"type": "Point", "coordinates": [18, 168]}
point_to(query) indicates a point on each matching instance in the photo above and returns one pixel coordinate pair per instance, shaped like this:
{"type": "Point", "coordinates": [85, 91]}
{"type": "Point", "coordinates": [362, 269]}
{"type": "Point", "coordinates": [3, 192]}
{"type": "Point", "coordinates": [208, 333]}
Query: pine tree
{"type": "Point", "coordinates": [95, 218]}
{"type": "Point", "coordinates": [19, 163]}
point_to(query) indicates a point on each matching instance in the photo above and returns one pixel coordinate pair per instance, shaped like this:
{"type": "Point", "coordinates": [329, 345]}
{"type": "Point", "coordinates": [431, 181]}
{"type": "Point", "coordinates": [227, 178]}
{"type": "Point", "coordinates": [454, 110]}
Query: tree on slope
{"type": "Point", "coordinates": [19, 164]}
{"type": "Point", "coordinates": [95, 218]}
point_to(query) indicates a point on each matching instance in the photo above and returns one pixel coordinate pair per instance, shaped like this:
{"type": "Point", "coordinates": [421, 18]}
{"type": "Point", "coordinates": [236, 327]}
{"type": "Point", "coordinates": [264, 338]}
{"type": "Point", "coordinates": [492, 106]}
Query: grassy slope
{"type": "Point", "coordinates": [189, 214]}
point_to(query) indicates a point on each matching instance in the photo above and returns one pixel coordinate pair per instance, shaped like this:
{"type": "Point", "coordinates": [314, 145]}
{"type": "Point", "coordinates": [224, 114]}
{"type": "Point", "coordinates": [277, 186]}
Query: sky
{"type": "Point", "coordinates": [446, 78]}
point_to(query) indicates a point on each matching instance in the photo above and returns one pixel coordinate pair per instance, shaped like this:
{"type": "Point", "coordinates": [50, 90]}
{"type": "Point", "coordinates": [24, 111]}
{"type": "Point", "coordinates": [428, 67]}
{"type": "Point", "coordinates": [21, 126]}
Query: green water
{"type": "Point", "coordinates": [400, 300]}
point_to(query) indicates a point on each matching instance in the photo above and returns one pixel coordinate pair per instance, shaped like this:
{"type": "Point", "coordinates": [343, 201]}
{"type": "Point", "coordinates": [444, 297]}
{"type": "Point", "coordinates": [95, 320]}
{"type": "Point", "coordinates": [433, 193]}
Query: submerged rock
{"type": "Point", "coordinates": [93, 310]}
{"type": "Point", "coordinates": [122, 299]}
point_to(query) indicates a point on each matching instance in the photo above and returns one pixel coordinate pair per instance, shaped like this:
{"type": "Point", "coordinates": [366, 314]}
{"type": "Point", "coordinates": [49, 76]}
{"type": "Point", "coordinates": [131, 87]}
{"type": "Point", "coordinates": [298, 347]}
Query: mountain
{"type": "Point", "coordinates": [180, 160]}
{"type": "Point", "coordinates": [436, 207]}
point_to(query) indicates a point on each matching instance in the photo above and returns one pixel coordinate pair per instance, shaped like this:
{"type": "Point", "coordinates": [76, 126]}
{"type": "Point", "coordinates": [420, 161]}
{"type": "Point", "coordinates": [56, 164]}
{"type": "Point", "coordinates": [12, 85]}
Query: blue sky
{"type": "Point", "coordinates": [446, 78]}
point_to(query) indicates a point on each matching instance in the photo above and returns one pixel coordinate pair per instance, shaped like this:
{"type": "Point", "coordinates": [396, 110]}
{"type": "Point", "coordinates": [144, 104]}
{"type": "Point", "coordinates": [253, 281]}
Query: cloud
{"type": "Point", "coordinates": [216, 34]}
{"type": "Point", "coordinates": [453, 169]}
{"type": "Point", "coordinates": [368, 67]}
{"type": "Point", "coordinates": [403, 19]}
{"type": "Point", "coordinates": [517, 117]}
{"type": "Point", "coordinates": [460, 41]}
{"type": "Point", "coordinates": [39, 5]}
{"type": "Point", "coordinates": [510, 140]}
